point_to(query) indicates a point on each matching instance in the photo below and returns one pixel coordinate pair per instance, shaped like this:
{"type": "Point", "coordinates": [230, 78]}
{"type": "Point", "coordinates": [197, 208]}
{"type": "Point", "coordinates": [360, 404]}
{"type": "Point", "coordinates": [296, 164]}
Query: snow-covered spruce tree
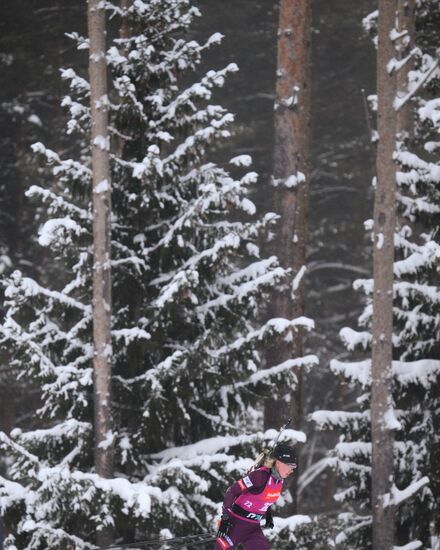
{"type": "Point", "coordinates": [195, 376]}
{"type": "Point", "coordinates": [417, 299]}
{"type": "Point", "coordinates": [416, 365]}
{"type": "Point", "coordinates": [189, 288]}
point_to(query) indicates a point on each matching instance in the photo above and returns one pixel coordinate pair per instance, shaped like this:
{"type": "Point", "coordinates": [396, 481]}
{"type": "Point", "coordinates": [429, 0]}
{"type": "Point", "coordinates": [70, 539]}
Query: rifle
{"type": "Point", "coordinates": [265, 453]}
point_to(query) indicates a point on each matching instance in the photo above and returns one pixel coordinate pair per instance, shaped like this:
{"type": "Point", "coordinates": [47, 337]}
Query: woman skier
{"type": "Point", "coordinates": [249, 500]}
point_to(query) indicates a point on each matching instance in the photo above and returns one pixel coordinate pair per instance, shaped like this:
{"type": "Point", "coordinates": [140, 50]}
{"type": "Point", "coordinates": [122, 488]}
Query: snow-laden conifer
{"type": "Point", "coordinates": [189, 290]}
{"type": "Point", "coordinates": [416, 365]}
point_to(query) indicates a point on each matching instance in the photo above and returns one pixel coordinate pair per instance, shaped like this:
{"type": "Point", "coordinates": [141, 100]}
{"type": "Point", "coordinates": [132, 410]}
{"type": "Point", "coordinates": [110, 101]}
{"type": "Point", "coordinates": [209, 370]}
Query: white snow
{"type": "Point", "coordinates": [380, 241]}
{"type": "Point", "coordinates": [241, 160]}
{"type": "Point", "coordinates": [410, 546]}
{"type": "Point", "coordinates": [291, 523]}
{"type": "Point", "coordinates": [398, 496]}
{"type": "Point", "coordinates": [391, 421]}
{"type": "Point", "coordinates": [35, 119]}
{"type": "Point", "coordinates": [297, 279]}
{"type": "Point", "coordinates": [353, 339]}
{"type": "Point", "coordinates": [131, 334]}
{"type": "Point", "coordinates": [215, 38]}
{"type": "Point", "coordinates": [103, 142]}
{"type": "Point", "coordinates": [339, 418]}
{"type": "Point", "coordinates": [102, 187]}
{"type": "Point", "coordinates": [290, 181]}
{"type": "Point", "coordinates": [50, 231]}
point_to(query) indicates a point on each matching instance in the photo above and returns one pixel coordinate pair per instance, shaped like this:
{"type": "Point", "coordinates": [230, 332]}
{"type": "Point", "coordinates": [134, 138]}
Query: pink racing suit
{"type": "Point", "coordinates": [246, 502]}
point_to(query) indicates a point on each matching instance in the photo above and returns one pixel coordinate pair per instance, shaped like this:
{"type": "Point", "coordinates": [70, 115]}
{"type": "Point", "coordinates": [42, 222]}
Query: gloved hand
{"type": "Point", "coordinates": [269, 520]}
{"type": "Point", "coordinates": [224, 526]}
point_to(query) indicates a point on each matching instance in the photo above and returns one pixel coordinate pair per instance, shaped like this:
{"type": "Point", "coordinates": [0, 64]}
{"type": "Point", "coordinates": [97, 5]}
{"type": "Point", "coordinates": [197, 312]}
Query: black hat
{"type": "Point", "coordinates": [285, 453]}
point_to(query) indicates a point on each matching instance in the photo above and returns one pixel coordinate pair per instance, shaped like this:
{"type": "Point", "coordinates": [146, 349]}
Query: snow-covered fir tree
{"type": "Point", "coordinates": [416, 364]}
{"type": "Point", "coordinates": [189, 291]}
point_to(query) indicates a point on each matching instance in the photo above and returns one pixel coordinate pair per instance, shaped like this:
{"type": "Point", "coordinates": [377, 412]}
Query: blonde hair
{"type": "Point", "coordinates": [263, 459]}
{"type": "Point", "coordinates": [269, 462]}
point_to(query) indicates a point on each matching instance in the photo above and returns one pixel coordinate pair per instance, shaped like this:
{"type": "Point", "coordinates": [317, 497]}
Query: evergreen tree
{"type": "Point", "coordinates": [189, 288]}
{"type": "Point", "coordinates": [416, 366]}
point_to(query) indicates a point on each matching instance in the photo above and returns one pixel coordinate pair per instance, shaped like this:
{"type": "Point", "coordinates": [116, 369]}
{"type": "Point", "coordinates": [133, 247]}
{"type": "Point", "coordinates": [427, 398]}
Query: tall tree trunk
{"type": "Point", "coordinates": [383, 259]}
{"type": "Point", "coordinates": [290, 192]}
{"type": "Point", "coordinates": [101, 246]}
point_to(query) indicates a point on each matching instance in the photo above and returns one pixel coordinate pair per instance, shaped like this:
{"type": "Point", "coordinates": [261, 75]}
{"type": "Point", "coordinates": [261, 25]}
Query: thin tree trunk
{"type": "Point", "coordinates": [101, 245]}
{"type": "Point", "coordinates": [290, 193]}
{"type": "Point", "coordinates": [383, 259]}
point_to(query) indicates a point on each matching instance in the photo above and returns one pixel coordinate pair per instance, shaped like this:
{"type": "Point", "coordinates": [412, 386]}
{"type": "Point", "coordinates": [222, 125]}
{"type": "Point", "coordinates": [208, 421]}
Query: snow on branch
{"type": "Point", "coordinates": [214, 445]}
{"type": "Point", "coordinates": [136, 497]}
{"type": "Point", "coordinates": [55, 229]}
{"type": "Point", "coordinates": [353, 449]}
{"type": "Point", "coordinates": [25, 286]}
{"type": "Point", "coordinates": [424, 77]}
{"type": "Point", "coordinates": [278, 326]}
{"type": "Point", "coordinates": [334, 419]}
{"type": "Point", "coordinates": [398, 496]}
{"type": "Point", "coordinates": [250, 272]}
{"type": "Point", "coordinates": [130, 335]}
{"type": "Point", "coordinates": [290, 524]}
{"type": "Point", "coordinates": [410, 546]}
{"type": "Point", "coordinates": [353, 339]}
{"type": "Point", "coordinates": [167, 367]}
{"type": "Point", "coordinates": [356, 523]}
{"type": "Point", "coordinates": [19, 450]}
{"type": "Point", "coordinates": [11, 493]}
{"type": "Point", "coordinates": [57, 202]}
{"type": "Point", "coordinates": [67, 167]}
{"type": "Point", "coordinates": [246, 289]}
{"type": "Point", "coordinates": [358, 371]}
{"type": "Point", "coordinates": [423, 372]}
{"type": "Point", "coordinates": [53, 536]}
{"type": "Point", "coordinates": [430, 110]}
{"type": "Point", "coordinates": [305, 361]}
{"type": "Point", "coordinates": [202, 89]}
{"type": "Point", "coordinates": [264, 375]}
{"type": "Point", "coordinates": [69, 429]}
{"type": "Point", "coordinates": [77, 84]}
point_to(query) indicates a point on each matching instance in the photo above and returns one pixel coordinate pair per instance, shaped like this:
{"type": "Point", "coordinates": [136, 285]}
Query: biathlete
{"type": "Point", "coordinates": [249, 500]}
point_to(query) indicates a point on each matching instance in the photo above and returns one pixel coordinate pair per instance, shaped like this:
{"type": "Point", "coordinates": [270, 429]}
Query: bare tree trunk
{"type": "Point", "coordinates": [101, 243]}
{"type": "Point", "coordinates": [290, 194]}
{"type": "Point", "coordinates": [383, 259]}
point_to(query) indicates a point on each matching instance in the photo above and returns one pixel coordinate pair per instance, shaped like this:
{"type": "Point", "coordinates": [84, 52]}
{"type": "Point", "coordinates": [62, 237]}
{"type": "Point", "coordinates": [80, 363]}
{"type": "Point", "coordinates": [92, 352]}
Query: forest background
{"type": "Point", "coordinates": [34, 46]}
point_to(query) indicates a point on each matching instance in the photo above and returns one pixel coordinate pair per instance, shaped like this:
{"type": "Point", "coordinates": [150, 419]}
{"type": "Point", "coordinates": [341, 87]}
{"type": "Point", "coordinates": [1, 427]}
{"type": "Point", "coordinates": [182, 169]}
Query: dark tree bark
{"type": "Point", "coordinates": [102, 303]}
{"type": "Point", "coordinates": [291, 175]}
{"type": "Point", "coordinates": [383, 259]}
